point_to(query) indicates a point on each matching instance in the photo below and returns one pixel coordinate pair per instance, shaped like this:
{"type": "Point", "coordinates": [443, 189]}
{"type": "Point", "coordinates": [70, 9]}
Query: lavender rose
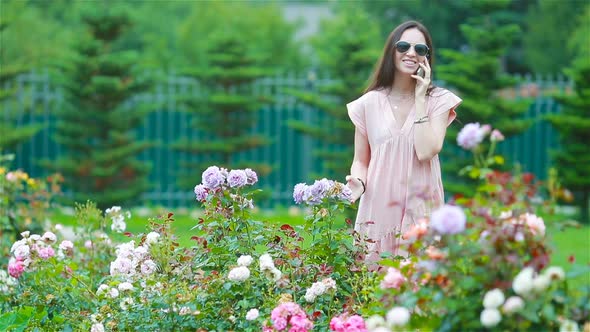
{"type": "Point", "coordinates": [448, 219]}
{"type": "Point", "coordinates": [212, 177]}
{"type": "Point", "coordinates": [298, 192]}
{"type": "Point", "coordinates": [315, 193]}
{"type": "Point", "coordinates": [201, 192]}
{"type": "Point", "coordinates": [237, 178]}
{"type": "Point", "coordinates": [252, 176]}
{"type": "Point", "coordinates": [471, 135]}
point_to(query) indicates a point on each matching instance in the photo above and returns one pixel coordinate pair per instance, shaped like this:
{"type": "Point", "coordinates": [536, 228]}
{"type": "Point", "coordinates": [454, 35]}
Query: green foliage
{"type": "Point", "coordinates": [231, 101]}
{"type": "Point", "coordinates": [11, 66]}
{"type": "Point", "coordinates": [154, 283]}
{"type": "Point", "coordinates": [444, 20]}
{"type": "Point", "coordinates": [578, 44]}
{"type": "Point", "coordinates": [549, 27]}
{"type": "Point", "coordinates": [95, 124]}
{"type": "Point", "coordinates": [29, 39]}
{"type": "Point", "coordinates": [573, 125]}
{"type": "Point", "coordinates": [236, 264]}
{"type": "Point", "coordinates": [477, 77]}
{"type": "Point", "coordinates": [259, 25]}
{"type": "Point", "coordinates": [447, 278]}
{"type": "Point", "coordinates": [347, 47]}
{"type": "Point", "coordinates": [24, 201]}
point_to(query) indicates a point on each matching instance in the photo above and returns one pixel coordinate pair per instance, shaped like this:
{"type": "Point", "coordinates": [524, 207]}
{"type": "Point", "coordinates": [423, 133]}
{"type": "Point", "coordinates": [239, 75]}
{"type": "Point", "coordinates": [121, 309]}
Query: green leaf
{"type": "Point", "coordinates": [499, 160]}
{"type": "Point", "coordinates": [549, 311]}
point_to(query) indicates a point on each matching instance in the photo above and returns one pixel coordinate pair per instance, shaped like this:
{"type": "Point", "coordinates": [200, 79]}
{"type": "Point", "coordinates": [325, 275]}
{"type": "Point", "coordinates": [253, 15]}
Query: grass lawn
{"type": "Point", "coordinates": [566, 243]}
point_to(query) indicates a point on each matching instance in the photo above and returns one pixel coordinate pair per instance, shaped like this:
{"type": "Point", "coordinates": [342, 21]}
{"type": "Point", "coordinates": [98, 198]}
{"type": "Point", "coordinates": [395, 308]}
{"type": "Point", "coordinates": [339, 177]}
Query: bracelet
{"type": "Point", "coordinates": [422, 119]}
{"type": "Point", "coordinates": [364, 187]}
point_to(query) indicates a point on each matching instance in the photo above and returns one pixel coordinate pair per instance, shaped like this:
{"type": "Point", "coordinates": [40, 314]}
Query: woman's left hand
{"type": "Point", "coordinates": [422, 83]}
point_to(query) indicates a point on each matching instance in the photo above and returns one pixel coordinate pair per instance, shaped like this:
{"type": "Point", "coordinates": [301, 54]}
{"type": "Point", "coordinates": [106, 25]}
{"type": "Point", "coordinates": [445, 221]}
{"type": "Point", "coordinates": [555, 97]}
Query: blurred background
{"type": "Point", "coordinates": [131, 100]}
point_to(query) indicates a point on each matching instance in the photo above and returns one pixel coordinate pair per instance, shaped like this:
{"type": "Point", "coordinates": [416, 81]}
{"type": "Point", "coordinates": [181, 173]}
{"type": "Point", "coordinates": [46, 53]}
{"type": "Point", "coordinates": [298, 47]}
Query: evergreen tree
{"type": "Point", "coordinates": [573, 124]}
{"type": "Point", "coordinates": [347, 47]}
{"type": "Point", "coordinates": [476, 75]}
{"type": "Point", "coordinates": [229, 110]}
{"type": "Point", "coordinates": [549, 23]}
{"type": "Point", "coordinates": [10, 67]}
{"type": "Point", "coordinates": [12, 134]}
{"type": "Point", "coordinates": [95, 125]}
{"type": "Point", "coordinates": [444, 18]}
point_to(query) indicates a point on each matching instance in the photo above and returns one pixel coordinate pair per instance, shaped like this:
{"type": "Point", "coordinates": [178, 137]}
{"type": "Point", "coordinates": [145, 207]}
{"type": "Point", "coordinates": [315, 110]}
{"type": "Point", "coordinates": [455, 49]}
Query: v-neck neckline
{"type": "Point", "coordinates": [395, 124]}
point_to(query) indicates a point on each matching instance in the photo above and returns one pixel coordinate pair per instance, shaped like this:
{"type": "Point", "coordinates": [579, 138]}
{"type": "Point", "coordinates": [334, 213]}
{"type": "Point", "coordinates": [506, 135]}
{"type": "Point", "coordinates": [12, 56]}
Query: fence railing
{"type": "Point", "coordinates": [36, 98]}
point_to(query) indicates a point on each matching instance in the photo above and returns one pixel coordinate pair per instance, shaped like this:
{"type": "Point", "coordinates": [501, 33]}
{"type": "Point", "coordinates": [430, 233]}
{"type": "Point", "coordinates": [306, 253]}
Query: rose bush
{"type": "Point", "coordinates": [241, 274]}
{"type": "Point", "coordinates": [24, 201]}
{"type": "Point", "coordinates": [478, 264]}
{"type": "Point", "coordinates": [482, 263]}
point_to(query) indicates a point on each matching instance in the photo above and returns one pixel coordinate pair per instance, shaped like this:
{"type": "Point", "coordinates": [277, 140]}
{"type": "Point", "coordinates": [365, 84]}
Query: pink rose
{"type": "Point", "coordinates": [45, 252]}
{"type": "Point", "coordinates": [337, 324]}
{"type": "Point", "coordinates": [356, 323]}
{"type": "Point", "coordinates": [535, 224]}
{"type": "Point", "coordinates": [393, 279]}
{"type": "Point", "coordinates": [16, 267]}
{"type": "Point", "coordinates": [496, 136]}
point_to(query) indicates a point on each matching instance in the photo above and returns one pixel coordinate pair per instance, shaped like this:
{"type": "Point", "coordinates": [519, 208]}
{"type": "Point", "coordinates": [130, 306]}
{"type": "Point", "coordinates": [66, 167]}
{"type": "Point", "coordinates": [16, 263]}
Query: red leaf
{"type": "Point", "coordinates": [127, 234]}
{"type": "Point", "coordinates": [286, 227]}
{"type": "Point", "coordinates": [200, 240]}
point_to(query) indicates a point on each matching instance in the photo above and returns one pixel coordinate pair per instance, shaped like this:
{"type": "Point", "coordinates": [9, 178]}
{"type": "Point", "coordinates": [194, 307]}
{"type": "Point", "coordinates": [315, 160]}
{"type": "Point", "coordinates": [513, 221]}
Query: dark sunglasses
{"type": "Point", "coordinates": [403, 47]}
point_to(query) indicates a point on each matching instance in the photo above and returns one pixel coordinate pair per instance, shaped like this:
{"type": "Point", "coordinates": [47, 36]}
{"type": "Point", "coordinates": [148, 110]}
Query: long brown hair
{"type": "Point", "coordinates": [384, 73]}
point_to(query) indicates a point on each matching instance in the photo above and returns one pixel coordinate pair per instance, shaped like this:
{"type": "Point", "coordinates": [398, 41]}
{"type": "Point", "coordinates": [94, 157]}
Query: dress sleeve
{"type": "Point", "coordinates": [356, 112]}
{"type": "Point", "coordinates": [445, 101]}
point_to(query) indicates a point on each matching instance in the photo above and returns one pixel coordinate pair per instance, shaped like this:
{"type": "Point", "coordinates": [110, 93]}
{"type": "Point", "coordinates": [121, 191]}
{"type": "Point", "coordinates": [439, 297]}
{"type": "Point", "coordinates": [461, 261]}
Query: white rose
{"type": "Point", "coordinates": [245, 260]}
{"type": "Point", "coordinates": [276, 274]}
{"type": "Point", "coordinates": [523, 282]}
{"type": "Point", "coordinates": [555, 273]}
{"type": "Point", "coordinates": [102, 289]}
{"type": "Point", "coordinates": [113, 293]}
{"type": "Point", "coordinates": [125, 286]}
{"type": "Point", "coordinates": [22, 251]}
{"type": "Point", "coordinates": [252, 314]}
{"type": "Point", "coordinates": [490, 317]}
{"type": "Point", "coordinates": [513, 304]}
{"type": "Point", "coordinates": [493, 299]}
{"type": "Point", "coordinates": [541, 283]}
{"type": "Point", "coordinates": [266, 262]}
{"type": "Point", "coordinates": [125, 303]}
{"type": "Point", "coordinates": [239, 273]}
{"type": "Point", "coordinates": [152, 237]}
{"type": "Point", "coordinates": [569, 326]}
{"type": "Point", "coordinates": [374, 322]}
{"type": "Point", "coordinates": [49, 237]}
{"type": "Point", "coordinates": [98, 327]}
{"type": "Point", "coordinates": [398, 316]}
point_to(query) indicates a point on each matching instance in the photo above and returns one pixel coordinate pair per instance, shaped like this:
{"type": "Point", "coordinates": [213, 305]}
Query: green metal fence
{"type": "Point", "coordinates": [37, 97]}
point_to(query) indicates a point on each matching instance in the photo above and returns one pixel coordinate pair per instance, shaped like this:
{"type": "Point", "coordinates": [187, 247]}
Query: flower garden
{"type": "Point", "coordinates": [479, 263]}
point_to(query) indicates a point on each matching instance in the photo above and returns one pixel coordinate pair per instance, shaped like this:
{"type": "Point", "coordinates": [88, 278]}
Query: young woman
{"type": "Point", "coordinates": [400, 124]}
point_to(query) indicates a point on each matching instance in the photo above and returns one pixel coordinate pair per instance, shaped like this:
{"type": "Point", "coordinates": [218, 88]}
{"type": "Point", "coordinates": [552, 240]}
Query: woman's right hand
{"type": "Point", "coordinates": [356, 186]}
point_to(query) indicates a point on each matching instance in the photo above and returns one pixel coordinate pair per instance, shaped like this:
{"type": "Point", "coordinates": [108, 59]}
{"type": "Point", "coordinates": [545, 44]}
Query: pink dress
{"type": "Point", "coordinates": [400, 189]}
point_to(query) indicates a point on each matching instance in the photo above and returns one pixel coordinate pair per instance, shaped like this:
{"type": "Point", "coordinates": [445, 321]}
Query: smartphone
{"type": "Point", "coordinates": [420, 72]}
